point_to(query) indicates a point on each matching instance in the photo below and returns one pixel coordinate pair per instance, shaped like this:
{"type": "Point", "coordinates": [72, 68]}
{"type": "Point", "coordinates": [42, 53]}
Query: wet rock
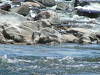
{"type": "Point", "coordinates": [48, 3]}
{"type": "Point", "coordinates": [62, 6]}
{"type": "Point", "coordinates": [13, 33]}
{"type": "Point", "coordinates": [10, 41]}
{"type": "Point", "coordinates": [2, 39]}
{"type": "Point", "coordinates": [27, 28]}
{"type": "Point", "coordinates": [47, 35]}
{"type": "Point", "coordinates": [49, 14]}
{"type": "Point", "coordinates": [83, 3]}
{"type": "Point", "coordinates": [85, 39]}
{"type": "Point", "coordinates": [22, 10]}
{"type": "Point", "coordinates": [85, 36]}
{"type": "Point", "coordinates": [33, 4]}
{"type": "Point", "coordinates": [69, 38]}
{"type": "Point", "coordinates": [81, 30]}
{"type": "Point", "coordinates": [42, 15]}
{"type": "Point", "coordinates": [11, 18]}
{"type": "Point", "coordinates": [44, 23]}
{"type": "Point", "coordinates": [98, 37]}
{"type": "Point", "coordinates": [6, 7]}
{"type": "Point", "coordinates": [36, 37]}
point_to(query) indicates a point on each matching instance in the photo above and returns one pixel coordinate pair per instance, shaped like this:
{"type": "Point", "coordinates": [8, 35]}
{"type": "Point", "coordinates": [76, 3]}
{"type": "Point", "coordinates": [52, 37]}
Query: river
{"type": "Point", "coordinates": [62, 59]}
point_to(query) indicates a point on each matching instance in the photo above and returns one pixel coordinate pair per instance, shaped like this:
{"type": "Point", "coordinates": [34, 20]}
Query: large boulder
{"type": "Point", "coordinates": [47, 35]}
{"type": "Point", "coordinates": [69, 38]}
{"type": "Point", "coordinates": [49, 14]}
{"type": "Point", "coordinates": [84, 35]}
{"type": "Point", "coordinates": [6, 7]}
{"type": "Point", "coordinates": [85, 39]}
{"type": "Point", "coordinates": [28, 27]}
{"type": "Point", "coordinates": [12, 33]}
{"type": "Point", "coordinates": [22, 10]}
{"type": "Point", "coordinates": [11, 18]}
{"type": "Point", "coordinates": [98, 37]}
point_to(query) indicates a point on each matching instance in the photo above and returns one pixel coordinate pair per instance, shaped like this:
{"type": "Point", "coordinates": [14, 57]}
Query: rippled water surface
{"type": "Point", "coordinates": [64, 59]}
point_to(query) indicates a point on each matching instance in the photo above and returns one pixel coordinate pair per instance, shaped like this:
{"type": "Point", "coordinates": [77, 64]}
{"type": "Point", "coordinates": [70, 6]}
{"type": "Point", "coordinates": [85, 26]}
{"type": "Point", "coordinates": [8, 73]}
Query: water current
{"type": "Point", "coordinates": [62, 59]}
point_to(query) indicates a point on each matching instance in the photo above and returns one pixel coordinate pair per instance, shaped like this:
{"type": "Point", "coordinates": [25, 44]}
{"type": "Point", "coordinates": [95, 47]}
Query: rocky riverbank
{"type": "Point", "coordinates": [35, 23]}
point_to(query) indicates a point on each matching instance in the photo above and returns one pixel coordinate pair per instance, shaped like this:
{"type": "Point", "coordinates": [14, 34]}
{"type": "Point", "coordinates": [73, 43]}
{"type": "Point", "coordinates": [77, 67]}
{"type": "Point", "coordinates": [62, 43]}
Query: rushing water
{"type": "Point", "coordinates": [64, 59]}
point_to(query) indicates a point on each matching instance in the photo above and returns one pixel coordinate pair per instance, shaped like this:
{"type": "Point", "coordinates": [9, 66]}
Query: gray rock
{"type": "Point", "coordinates": [47, 35]}
{"type": "Point", "coordinates": [69, 38]}
{"type": "Point", "coordinates": [49, 14]}
{"type": "Point", "coordinates": [85, 39]}
{"type": "Point", "coordinates": [62, 6]}
{"type": "Point", "coordinates": [48, 3]}
{"type": "Point", "coordinates": [22, 10]}
{"type": "Point", "coordinates": [2, 38]}
{"type": "Point", "coordinates": [13, 33]}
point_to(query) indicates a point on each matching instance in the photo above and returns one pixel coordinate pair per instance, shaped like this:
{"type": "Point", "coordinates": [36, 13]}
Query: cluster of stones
{"type": "Point", "coordinates": [19, 26]}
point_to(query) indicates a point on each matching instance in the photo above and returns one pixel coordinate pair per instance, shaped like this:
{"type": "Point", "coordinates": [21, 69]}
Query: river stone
{"type": "Point", "coordinates": [85, 39]}
{"type": "Point", "coordinates": [22, 10]}
{"type": "Point", "coordinates": [42, 15]}
{"type": "Point", "coordinates": [62, 6]}
{"type": "Point", "coordinates": [48, 14]}
{"type": "Point", "coordinates": [47, 35]}
{"type": "Point", "coordinates": [6, 7]}
{"type": "Point", "coordinates": [33, 4]}
{"type": "Point", "coordinates": [48, 3]}
{"type": "Point", "coordinates": [98, 37]}
{"type": "Point", "coordinates": [69, 38]}
{"type": "Point", "coordinates": [11, 18]}
{"type": "Point", "coordinates": [13, 33]}
{"type": "Point", "coordinates": [2, 38]}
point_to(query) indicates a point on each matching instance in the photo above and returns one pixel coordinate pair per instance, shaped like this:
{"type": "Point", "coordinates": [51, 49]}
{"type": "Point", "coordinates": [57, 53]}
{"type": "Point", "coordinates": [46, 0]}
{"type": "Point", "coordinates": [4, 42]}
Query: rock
{"type": "Point", "coordinates": [42, 15]}
{"type": "Point", "coordinates": [13, 33]}
{"type": "Point", "coordinates": [62, 6]}
{"type": "Point", "coordinates": [33, 4]}
{"type": "Point", "coordinates": [28, 27]}
{"type": "Point", "coordinates": [85, 39]}
{"type": "Point", "coordinates": [69, 38]}
{"type": "Point", "coordinates": [85, 35]}
{"type": "Point", "coordinates": [49, 14]}
{"type": "Point", "coordinates": [2, 39]}
{"type": "Point", "coordinates": [48, 3]}
{"type": "Point", "coordinates": [98, 37]}
{"type": "Point", "coordinates": [47, 35]}
{"type": "Point", "coordinates": [22, 10]}
{"type": "Point", "coordinates": [81, 30]}
{"type": "Point", "coordinates": [6, 7]}
{"type": "Point", "coordinates": [44, 23]}
{"type": "Point", "coordinates": [11, 18]}
{"type": "Point", "coordinates": [36, 37]}
{"type": "Point", "coordinates": [83, 3]}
